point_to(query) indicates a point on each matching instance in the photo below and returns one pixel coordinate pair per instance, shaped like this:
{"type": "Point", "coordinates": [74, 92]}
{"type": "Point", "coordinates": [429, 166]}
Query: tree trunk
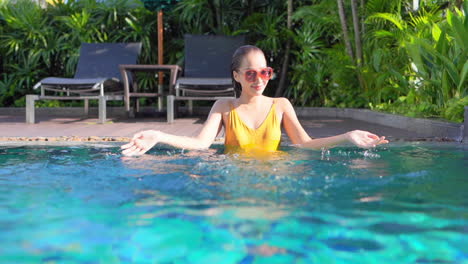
{"type": "Point", "coordinates": [284, 68]}
{"type": "Point", "coordinates": [250, 7]}
{"type": "Point", "coordinates": [215, 14]}
{"type": "Point", "coordinates": [363, 21]}
{"type": "Point", "coordinates": [219, 16]}
{"type": "Point", "coordinates": [415, 5]}
{"type": "Point", "coordinates": [357, 34]}
{"type": "Point", "coordinates": [344, 27]}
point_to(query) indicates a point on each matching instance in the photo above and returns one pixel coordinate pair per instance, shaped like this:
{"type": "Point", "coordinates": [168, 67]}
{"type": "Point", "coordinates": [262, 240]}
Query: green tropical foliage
{"type": "Point", "coordinates": [437, 61]}
{"type": "Point", "coordinates": [414, 62]}
{"type": "Point", "coordinates": [37, 42]}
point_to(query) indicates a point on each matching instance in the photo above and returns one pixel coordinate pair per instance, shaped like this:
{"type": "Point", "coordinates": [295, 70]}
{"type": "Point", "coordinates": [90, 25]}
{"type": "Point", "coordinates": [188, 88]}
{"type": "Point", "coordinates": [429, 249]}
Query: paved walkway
{"type": "Point", "coordinates": [12, 126]}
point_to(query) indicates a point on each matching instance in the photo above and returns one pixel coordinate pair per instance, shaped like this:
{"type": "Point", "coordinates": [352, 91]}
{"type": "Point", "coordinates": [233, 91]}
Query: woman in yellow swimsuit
{"type": "Point", "coordinates": [253, 121]}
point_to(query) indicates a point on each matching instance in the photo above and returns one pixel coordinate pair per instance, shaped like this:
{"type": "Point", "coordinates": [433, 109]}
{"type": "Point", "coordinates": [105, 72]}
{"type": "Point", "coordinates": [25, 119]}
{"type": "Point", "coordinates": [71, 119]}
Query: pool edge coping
{"type": "Point", "coordinates": [427, 128]}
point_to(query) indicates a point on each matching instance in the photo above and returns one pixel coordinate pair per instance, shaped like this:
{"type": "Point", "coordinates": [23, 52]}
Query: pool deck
{"type": "Point", "coordinates": [48, 127]}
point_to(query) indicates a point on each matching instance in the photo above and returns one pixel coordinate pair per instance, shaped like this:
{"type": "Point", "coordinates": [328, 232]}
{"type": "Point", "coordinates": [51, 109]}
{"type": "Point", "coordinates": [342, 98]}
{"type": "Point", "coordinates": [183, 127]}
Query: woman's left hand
{"type": "Point", "coordinates": [365, 139]}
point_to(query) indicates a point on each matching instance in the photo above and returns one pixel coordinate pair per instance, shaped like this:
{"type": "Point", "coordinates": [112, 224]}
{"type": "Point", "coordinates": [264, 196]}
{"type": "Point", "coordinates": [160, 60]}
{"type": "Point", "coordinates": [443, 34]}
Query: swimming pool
{"type": "Point", "coordinates": [402, 203]}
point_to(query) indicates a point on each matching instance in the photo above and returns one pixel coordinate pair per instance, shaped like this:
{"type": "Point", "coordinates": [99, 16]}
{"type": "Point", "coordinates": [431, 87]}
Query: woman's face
{"type": "Point", "coordinates": [254, 60]}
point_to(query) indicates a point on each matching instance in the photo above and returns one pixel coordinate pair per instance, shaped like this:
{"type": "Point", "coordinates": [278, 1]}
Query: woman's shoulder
{"type": "Point", "coordinates": [282, 103]}
{"type": "Point", "coordinates": [281, 100]}
{"type": "Point", "coordinates": [223, 105]}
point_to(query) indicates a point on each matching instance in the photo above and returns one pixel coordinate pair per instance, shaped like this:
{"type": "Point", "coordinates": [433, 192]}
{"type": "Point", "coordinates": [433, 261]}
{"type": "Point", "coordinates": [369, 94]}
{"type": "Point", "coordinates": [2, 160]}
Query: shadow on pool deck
{"type": "Point", "coordinates": [13, 125]}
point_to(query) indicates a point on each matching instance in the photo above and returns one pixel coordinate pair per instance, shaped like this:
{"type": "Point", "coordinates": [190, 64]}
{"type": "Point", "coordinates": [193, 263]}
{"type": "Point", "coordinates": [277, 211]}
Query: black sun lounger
{"type": "Point", "coordinates": [207, 70]}
{"type": "Point", "coordinates": [97, 77]}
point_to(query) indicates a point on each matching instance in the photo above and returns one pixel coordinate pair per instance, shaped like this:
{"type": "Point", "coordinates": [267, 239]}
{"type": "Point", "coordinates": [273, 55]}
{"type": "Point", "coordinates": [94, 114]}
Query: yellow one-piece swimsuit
{"type": "Point", "coordinates": [240, 137]}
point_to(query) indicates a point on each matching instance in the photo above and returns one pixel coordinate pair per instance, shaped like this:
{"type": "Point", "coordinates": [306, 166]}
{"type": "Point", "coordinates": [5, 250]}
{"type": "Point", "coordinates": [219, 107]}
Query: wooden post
{"type": "Point", "coordinates": [160, 57]}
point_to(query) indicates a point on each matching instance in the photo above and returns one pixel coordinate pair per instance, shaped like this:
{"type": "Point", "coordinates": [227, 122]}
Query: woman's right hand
{"type": "Point", "coordinates": [141, 143]}
{"type": "Point", "coordinates": [364, 139]}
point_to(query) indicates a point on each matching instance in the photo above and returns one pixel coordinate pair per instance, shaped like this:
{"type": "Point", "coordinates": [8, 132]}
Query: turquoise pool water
{"type": "Point", "coordinates": [403, 203]}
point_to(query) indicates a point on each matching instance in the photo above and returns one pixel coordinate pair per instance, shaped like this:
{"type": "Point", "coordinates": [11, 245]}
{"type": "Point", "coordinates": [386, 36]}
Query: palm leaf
{"type": "Point", "coordinates": [393, 18]}
{"type": "Point", "coordinates": [461, 88]}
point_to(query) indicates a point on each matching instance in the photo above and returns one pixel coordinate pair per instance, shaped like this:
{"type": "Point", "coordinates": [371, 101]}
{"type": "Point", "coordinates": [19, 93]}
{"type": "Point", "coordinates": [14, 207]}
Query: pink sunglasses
{"type": "Point", "coordinates": [265, 73]}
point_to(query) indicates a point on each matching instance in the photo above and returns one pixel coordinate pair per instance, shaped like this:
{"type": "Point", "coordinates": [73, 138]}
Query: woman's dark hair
{"type": "Point", "coordinates": [237, 57]}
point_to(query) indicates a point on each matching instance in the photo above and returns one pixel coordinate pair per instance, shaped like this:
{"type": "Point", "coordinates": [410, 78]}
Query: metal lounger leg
{"type": "Point", "coordinates": [190, 107]}
{"type": "Point", "coordinates": [86, 107]}
{"type": "Point", "coordinates": [137, 106]}
{"type": "Point", "coordinates": [160, 99]}
{"type": "Point", "coordinates": [30, 110]}
{"type": "Point", "coordinates": [102, 109]}
{"type": "Point", "coordinates": [170, 108]}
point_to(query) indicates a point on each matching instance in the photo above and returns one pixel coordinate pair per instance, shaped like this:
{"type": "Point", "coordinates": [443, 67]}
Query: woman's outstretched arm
{"type": "Point", "coordinates": [145, 140]}
{"type": "Point", "coordinates": [300, 138]}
